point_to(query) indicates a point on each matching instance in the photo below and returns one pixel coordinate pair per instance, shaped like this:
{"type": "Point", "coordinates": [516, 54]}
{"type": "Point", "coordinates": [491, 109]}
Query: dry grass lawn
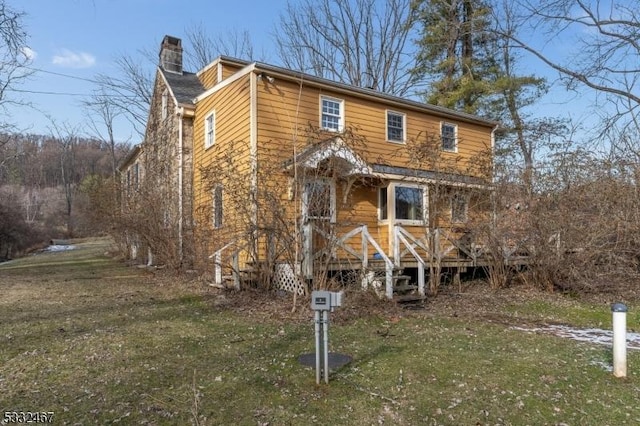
{"type": "Point", "coordinates": [99, 342]}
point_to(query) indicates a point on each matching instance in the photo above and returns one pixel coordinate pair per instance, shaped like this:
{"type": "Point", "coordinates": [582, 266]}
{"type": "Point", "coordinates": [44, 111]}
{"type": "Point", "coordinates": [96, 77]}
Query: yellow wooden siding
{"type": "Point", "coordinates": [228, 159]}
{"type": "Point", "coordinates": [285, 114]}
{"type": "Point", "coordinates": [209, 77]}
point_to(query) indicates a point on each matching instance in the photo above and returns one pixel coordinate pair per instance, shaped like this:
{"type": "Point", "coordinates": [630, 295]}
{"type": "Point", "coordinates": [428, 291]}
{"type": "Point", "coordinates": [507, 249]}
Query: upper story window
{"type": "Point", "coordinates": [165, 103]}
{"type": "Point", "coordinates": [210, 130]}
{"type": "Point", "coordinates": [395, 126]}
{"type": "Point", "coordinates": [332, 114]}
{"type": "Point", "coordinates": [449, 136]}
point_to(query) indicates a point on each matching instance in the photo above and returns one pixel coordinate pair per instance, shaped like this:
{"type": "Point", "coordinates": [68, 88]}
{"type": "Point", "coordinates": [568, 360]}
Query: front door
{"type": "Point", "coordinates": [318, 212]}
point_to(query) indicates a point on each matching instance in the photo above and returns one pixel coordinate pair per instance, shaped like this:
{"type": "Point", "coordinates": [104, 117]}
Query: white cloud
{"type": "Point", "coordinates": [29, 53]}
{"type": "Point", "coordinates": [70, 59]}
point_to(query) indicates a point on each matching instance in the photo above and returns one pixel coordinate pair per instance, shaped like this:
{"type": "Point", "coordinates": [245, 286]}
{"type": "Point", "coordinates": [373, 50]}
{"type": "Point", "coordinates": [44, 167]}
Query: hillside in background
{"type": "Point", "coordinates": [50, 187]}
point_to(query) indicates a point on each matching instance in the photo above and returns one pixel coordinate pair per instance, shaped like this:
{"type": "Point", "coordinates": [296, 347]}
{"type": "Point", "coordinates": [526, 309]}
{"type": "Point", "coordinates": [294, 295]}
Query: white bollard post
{"type": "Point", "coordinates": [619, 339]}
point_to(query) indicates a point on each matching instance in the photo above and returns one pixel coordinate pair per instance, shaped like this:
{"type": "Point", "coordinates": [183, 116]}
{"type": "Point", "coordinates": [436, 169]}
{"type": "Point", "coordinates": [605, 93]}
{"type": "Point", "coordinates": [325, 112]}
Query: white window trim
{"type": "Point", "coordinates": [208, 143]}
{"type": "Point", "coordinates": [332, 201]}
{"type": "Point", "coordinates": [404, 126]}
{"type": "Point", "coordinates": [341, 117]}
{"type": "Point", "coordinates": [379, 208]}
{"type": "Point", "coordinates": [455, 136]}
{"type": "Point", "coordinates": [466, 198]}
{"type": "Point", "coordinates": [391, 204]}
{"type": "Point", "coordinates": [165, 103]}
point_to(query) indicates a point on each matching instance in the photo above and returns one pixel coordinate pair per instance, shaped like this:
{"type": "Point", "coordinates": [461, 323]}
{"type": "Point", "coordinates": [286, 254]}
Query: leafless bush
{"type": "Point", "coordinates": [581, 229]}
{"type": "Point", "coordinates": [266, 216]}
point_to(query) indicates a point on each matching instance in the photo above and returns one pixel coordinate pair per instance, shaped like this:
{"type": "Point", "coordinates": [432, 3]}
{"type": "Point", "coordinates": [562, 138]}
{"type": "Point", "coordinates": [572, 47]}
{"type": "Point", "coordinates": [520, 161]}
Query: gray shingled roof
{"type": "Point", "coordinates": [429, 174]}
{"type": "Point", "coordinates": [185, 86]}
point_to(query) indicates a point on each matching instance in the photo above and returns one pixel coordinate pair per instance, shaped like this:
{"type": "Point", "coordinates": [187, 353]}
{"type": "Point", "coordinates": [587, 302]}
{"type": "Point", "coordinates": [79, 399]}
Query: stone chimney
{"type": "Point", "coordinates": [171, 54]}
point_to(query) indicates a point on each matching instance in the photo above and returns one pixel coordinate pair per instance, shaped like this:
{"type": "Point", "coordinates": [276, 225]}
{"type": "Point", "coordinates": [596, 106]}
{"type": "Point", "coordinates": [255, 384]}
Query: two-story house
{"type": "Point", "coordinates": [275, 171]}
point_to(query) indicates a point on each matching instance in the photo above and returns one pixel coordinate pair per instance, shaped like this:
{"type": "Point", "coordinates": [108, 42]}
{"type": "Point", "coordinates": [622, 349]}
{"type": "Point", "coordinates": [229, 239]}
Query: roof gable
{"type": "Point", "coordinates": [184, 87]}
{"type": "Point", "coordinates": [331, 149]}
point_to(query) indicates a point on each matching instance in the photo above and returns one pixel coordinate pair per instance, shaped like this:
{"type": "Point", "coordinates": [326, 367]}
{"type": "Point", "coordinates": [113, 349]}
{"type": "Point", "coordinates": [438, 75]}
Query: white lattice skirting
{"type": "Point", "coordinates": [286, 279]}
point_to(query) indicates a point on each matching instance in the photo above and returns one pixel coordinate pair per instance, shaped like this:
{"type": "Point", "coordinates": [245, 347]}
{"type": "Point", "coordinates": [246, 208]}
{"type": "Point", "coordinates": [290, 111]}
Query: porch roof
{"type": "Point", "coordinates": [353, 164]}
{"type": "Point", "coordinates": [407, 173]}
{"type": "Point", "coordinates": [333, 148]}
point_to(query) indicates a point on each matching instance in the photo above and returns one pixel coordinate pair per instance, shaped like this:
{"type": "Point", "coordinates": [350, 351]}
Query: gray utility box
{"type": "Point", "coordinates": [322, 300]}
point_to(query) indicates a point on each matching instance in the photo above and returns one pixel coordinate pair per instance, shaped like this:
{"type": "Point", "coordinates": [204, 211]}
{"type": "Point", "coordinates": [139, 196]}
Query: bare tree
{"type": "Point", "coordinates": [514, 96]}
{"type": "Point", "coordinates": [364, 43]}
{"type": "Point", "coordinates": [13, 58]}
{"type": "Point", "coordinates": [604, 49]}
{"type": "Point", "coordinates": [102, 120]}
{"type": "Point", "coordinates": [129, 92]}
{"type": "Point", "coordinates": [205, 47]}
{"type": "Point", "coordinates": [67, 138]}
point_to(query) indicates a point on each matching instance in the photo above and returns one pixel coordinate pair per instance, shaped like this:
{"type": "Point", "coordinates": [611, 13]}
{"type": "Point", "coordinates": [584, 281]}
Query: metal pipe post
{"type": "Point", "coordinates": [325, 323]}
{"type": "Point", "coordinates": [318, 345]}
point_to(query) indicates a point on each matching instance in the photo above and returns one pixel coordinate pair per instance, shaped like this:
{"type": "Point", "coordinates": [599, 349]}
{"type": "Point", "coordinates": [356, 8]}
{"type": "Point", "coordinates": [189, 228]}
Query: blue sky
{"type": "Point", "coordinates": [81, 38]}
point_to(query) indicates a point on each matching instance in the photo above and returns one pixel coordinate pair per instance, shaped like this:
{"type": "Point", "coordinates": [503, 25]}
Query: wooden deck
{"type": "Point", "coordinates": [357, 250]}
{"type": "Point", "coordinates": [453, 262]}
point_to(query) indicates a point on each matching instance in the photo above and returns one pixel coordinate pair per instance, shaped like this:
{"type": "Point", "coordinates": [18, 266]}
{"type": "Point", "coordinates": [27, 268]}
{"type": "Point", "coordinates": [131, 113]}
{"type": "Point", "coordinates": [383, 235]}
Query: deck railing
{"type": "Point", "coordinates": [430, 248]}
{"type": "Point", "coordinates": [237, 247]}
{"type": "Point", "coordinates": [361, 254]}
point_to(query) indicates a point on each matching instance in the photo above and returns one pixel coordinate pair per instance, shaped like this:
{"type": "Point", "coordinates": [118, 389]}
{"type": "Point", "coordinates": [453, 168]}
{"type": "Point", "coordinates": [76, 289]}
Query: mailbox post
{"type": "Point", "coordinates": [323, 302]}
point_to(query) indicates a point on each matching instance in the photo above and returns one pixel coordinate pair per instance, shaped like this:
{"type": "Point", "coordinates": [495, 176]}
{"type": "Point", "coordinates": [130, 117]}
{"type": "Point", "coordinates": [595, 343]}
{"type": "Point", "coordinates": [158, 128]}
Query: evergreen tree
{"type": "Point", "coordinates": [465, 48]}
{"type": "Point", "coordinates": [455, 52]}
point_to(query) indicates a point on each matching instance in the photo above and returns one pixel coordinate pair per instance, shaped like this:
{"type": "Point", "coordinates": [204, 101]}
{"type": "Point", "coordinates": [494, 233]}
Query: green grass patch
{"type": "Point", "coordinates": [140, 350]}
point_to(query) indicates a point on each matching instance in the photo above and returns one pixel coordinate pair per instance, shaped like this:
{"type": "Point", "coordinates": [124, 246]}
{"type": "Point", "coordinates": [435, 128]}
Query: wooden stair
{"type": "Point", "coordinates": [245, 275]}
{"type": "Point", "coordinates": [406, 294]}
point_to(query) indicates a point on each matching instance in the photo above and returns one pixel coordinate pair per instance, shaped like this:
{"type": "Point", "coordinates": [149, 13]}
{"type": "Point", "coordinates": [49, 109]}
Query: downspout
{"type": "Point", "coordinates": [494, 217]}
{"type": "Point", "coordinates": [180, 186]}
{"type": "Point", "coordinates": [253, 153]}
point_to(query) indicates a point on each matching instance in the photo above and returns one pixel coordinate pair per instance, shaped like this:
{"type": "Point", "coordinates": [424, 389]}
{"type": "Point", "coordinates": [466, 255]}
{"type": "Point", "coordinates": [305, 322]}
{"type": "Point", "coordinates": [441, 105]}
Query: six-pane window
{"type": "Point", "coordinates": [210, 130]}
{"type": "Point", "coordinates": [332, 118]}
{"type": "Point", "coordinates": [448, 135]}
{"type": "Point", "coordinates": [136, 175]}
{"type": "Point", "coordinates": [395, 126]}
